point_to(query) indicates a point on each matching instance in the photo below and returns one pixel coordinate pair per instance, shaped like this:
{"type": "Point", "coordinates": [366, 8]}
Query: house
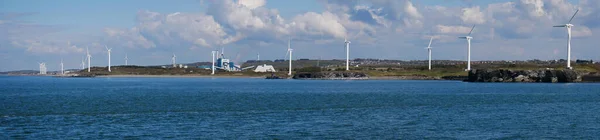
{"type": "Point", "coordinates": [265, 68]}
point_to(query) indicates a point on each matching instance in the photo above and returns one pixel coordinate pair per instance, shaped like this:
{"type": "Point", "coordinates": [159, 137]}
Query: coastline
{"type": "Point", "coordinates": [176, 76]}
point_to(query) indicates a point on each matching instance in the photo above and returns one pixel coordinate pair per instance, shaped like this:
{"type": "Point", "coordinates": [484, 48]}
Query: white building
{"type": "Point", "coordinates": [265, 68]}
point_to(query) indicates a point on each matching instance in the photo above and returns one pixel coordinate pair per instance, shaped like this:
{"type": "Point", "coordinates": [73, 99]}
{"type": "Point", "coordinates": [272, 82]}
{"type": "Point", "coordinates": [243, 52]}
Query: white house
{"type": "Point", "coordinates": [265, 68]}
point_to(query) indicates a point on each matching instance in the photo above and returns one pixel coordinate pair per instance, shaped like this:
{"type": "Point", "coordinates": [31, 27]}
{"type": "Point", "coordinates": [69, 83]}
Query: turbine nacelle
{"type": "Point", "coordinates": [466, 37]}
{"type": "Point", "coordinates": [565, 25]}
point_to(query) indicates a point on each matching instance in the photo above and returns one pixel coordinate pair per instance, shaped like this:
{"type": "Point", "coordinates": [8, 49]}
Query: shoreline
{"type": "Point", "coordinates": [255, 77]}
{"type": "Point", "coordinates": [176, 76]}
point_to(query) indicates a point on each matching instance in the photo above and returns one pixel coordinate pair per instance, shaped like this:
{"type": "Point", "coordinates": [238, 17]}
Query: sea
{"type": "Point", "coordinates": [249, 108]}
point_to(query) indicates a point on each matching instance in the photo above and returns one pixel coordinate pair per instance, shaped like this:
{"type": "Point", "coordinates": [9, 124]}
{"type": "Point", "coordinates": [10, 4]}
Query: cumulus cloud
{"type": "Point", "coordinates": [453, 29]}
{"type": "Point", "coordinates": [252, 4]}
{"type": "Point", "coordinates": [472, 15]}
{"type": "Point", "coordinates": [319, 24]}
{"type": "Point", "coordinates": [534, 8]}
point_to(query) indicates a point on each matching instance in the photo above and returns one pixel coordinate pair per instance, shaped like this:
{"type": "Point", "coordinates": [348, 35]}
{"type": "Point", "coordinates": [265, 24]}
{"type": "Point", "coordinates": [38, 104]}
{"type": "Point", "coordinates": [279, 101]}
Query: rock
{"type": "Point", "coordinates": [330, 75]}
{"type": "Point", "coordinates": [547, 76]}
{"type": "Point", "coordinates": [520, 78]}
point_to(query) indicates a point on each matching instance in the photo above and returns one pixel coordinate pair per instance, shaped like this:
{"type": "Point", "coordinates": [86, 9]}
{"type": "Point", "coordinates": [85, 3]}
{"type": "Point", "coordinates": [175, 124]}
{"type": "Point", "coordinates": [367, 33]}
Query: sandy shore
{"type": "Point", "coordinates": [179, 76]}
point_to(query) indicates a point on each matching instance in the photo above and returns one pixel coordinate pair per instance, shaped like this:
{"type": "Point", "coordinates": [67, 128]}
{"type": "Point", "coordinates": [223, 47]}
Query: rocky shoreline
{"type": "Point", "coordinates": [331, 75]}
{"type": "Point", "coordinates": [525, 76]}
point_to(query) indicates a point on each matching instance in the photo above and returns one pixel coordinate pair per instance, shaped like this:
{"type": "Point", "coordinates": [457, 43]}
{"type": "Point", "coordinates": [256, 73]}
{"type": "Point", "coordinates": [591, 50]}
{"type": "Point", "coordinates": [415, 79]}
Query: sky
{"type": "Point", "coordinates": [149, 32]}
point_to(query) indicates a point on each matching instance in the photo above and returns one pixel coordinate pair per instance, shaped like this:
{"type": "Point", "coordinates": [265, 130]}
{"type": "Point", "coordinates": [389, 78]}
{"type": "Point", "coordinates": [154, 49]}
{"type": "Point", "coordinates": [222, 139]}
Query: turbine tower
{"type": "Point", "coordinates": [212, 67]}
{"type": "Point", "coordinates": [62, 67]}
{"type": "Point", "coordinates": [289, 50]}
{"type": "Point", "coordinates": [568, 26]}
{"type": "Point", "coordinates": [429, 51]}
{"type": "Point", "coordinates": [89, 57]}
{"type": "Point", "coordinates": [468, 38]}
{"type": "Point", "coordinates": [347, 42]}
{"type": "Point", "coordinates": [126, 59]}
{"type": "Point", "coordinates": [173, 60]}
{"type": "Point", "coordinates": [109, 50]}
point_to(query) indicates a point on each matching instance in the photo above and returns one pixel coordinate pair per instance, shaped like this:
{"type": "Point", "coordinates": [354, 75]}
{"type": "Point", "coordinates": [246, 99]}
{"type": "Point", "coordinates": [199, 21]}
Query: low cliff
{"type": "Point", "coordinates": [544, 76]}
{"type": "Point", "coordinates": [330, 75]}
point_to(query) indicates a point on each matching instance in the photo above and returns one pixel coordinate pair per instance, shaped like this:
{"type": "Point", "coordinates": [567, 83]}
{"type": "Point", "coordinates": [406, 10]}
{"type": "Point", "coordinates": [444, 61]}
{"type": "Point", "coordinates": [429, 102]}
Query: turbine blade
{"type": "Point", "coordinates": [288, 49]}
{"type": "Point", "coordinates": [560, 26]}
{"type": "Point", "coordinates": [471, 30]}
{"type": "Point", "coordinates": [573, 16]}
{"type": "Point", "coordinates": [463, 37]}
{"type": "Point", "coordinates": [430, 40]}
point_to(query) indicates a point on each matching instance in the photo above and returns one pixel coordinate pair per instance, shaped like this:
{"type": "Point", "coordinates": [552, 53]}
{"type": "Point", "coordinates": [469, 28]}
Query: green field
{"type": "Point", "coordinates": [335, 65]}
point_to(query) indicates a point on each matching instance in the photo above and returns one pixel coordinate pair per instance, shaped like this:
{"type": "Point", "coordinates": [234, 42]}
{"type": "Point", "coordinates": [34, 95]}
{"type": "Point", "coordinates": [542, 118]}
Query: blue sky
{"type": "Point", "coordinates": [152, 30]}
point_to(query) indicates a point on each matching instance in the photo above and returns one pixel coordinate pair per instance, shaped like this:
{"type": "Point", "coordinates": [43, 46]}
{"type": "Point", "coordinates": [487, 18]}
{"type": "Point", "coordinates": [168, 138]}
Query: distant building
{"type": "Point", "coordinates": [264, 68]}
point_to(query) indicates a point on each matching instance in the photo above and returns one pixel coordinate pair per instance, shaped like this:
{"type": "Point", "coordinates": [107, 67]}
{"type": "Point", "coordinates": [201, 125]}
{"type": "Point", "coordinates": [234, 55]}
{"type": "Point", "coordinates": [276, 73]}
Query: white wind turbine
{"type": "Point", "coordinates": [62, 67]}
{"type": "Point", "coordinates": [289, 51]}
{"type": "Point", "coordinates": [568, 26]}
{"type": "Point", "coordinates": [429, 51]}
{"type": "Point", "coordinates": [173, 58]}
{"type": "Point", "coordinates": [108, 50]}
{"type": "Point", "coordinates": [468, 38]}
{"type": "Point", "coordinates": [212, 67]}
{"type": "Point", "coordinates": [89, 57]}
{"type": "Point", "coordinates": [347, 42]}
{"type": "Point", "coordinates": [126, 59]}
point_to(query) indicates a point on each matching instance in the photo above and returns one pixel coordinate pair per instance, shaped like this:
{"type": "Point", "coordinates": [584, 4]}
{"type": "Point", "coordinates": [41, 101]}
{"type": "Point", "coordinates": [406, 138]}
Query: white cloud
{"type": "Point", "coordinates": [411, 10]}
{"type": "Point", "coordinates": [252, 4]}
{"type": "Point", "coordinates": [535, 8]}
{"type": "Point", "coordinates": [318, 24]}
{"type": "Point", "coordinates": [472, 15]}
{"type": "Point", "coordinates": [453, 29]}
{"type": "Point", "coordinates": [581, 31]}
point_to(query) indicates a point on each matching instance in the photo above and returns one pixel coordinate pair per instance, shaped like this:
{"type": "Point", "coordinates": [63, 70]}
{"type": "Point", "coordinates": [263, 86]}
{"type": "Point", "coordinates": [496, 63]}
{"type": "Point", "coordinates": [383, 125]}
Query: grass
{"type": "Point", "coordinates": [373, 70]}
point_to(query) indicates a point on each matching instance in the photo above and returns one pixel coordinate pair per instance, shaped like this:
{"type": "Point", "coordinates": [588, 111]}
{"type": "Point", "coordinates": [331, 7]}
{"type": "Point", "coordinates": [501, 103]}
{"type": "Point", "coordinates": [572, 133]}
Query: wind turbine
{"type": "Point", "coordinates": [126, 59]}
{"type": "Point", "coordinates": [347, 42]}
{"type": "Point", "coordinates": [569, 26]}
{"type": "Point", "coordinates": [429, 51]}
{"type": "Point", "coordinates": [89, 57]}
{"type": "Point", "coordinates": [62, 67]}
{"type": "Point", "coordinates": [173, 60]}
{"type": "Point", "coordinates": [468, 38]}
{"type": "Point", "coordinates": [109, 50]}
{"type": "Point", "coordinates": [289, 51]}
{"type": "Point", "coordinates": [213, 62]}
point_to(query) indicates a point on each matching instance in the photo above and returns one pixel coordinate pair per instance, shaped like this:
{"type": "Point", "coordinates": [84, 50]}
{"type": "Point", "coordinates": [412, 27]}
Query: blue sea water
{"type": "Point", "coordinates": [230, 108]}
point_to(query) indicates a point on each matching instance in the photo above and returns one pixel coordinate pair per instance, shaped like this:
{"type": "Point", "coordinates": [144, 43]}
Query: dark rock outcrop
{"type": "Point", "coordinates": [545, 76]}
{"type": "Point", "coordinates": [330, 75]}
